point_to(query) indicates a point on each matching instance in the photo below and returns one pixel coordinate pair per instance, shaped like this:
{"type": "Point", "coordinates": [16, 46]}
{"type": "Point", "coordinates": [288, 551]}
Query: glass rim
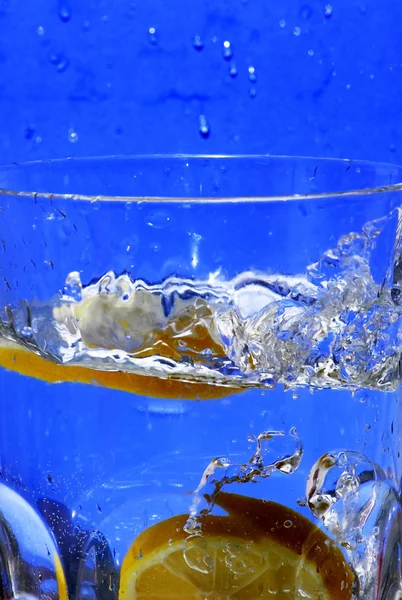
{"type": "Point", "coordinates": [352, 192]}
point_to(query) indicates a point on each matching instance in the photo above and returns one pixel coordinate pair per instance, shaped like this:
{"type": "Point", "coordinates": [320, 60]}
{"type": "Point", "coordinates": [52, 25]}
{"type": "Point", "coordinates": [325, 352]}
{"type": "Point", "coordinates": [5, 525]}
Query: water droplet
{"type": "Point", "coordinates": [282, 23]}
{"type": "Point", "coordinates": [86, 26]}
{"type": "Point", "coordinates": [40, 30]}
{"type": "Point", "coordinates": [297, 31]}
{"type": "Point", "coordinates": [372, 75]}
{"type": "Point", "coordinates": [131, 11]}
{"type": "Point", "coordinates": [73, 287]}
{"type": "Point", "coordinates": [105, 18]}
{"type": "Point", "coordinates": [310, 52]}
{"type": "Point", "coordinates": [204, 128]}
{"type": "Point", "coordinates": [227, 50]}
{"type": "Point", "coordinates": [252, 93]}
{"type": "Point", "coordinates": [392, 148]}
{"type": "Point", "coordinates": [328, 11]}
{"type": "Point", "coordinates": [26, 332]}
{"type": "Point", "coordinates": [49, 264]}
{"type": "Point", "coordinates": [301, 502]}
{"type": "Point", "coordinates": [198, 44]}
{"type": "Point", "coordinates": [306, 12]}
{"type": "Point", "coordinates": [233, 70]}
{"type": "Point", "coordinates": [29, 132]}
{"type": "Point", "coordinates": [214, 39]}
{"type": "Point", "coordinates": [252, 76]}
{"type": "Point", "coordinates": [348, 86]}
{"type": "Point", "coordinates": [196, 554]}
{"type": "Point", "coordinates": [288, 524]}
{"type": "Point", "coordinates": [62, 64]}
{"type": "Point", "coordinates": [72, 136]}
{"type": "Point", "coordinates": [64, 12]}
{"type": "Point", "coordinates": [152, 36]}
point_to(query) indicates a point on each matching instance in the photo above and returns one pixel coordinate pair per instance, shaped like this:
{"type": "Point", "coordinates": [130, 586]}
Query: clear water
{"type": "Point", "coordinates": [315, 359]}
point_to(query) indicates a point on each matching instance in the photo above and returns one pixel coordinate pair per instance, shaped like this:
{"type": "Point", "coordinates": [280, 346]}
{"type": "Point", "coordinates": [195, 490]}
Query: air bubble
{"type": "Point", "coordinates": [282, 23]}
{"type": "Point", "coordinates": [26, 332]}
{"type": "Point", "coordinates": [297, 31]}
{"type": "Point", "coordinates": [40, 31]}
{"type": "Point", "coordinates": [328, 11]}
{"type": "Point", "coordinates": [288, 524]}
{"type": "Point", "coordinates": [252, 93]}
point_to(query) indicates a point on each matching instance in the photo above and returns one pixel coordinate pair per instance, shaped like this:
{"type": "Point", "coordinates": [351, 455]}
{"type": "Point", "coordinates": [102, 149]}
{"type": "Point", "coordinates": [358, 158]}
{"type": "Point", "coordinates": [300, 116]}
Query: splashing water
{"type": "Point", "coordinates": [332, 327]}
{"type": "Point", "coordinates": [275, 451]}
{"type": "Point", "coordinates": [350, 495]}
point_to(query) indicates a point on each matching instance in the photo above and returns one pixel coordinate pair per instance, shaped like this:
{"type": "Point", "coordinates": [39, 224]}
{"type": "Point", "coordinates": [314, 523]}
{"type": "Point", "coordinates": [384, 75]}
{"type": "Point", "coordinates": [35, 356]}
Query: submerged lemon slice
{"type": "Point", "coordinates": [16, 358]}
{"type": "Point", "coordinates": [260, 549]}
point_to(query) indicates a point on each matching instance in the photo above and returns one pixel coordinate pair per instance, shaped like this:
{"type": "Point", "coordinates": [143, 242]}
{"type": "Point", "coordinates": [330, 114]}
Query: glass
{"type": "Point", "coordinates": [200, 378]}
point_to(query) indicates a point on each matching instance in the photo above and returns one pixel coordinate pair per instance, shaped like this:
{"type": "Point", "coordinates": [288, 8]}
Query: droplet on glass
{"type": "Point", "coordinates": [62, 64]}
{"type": "Point", "coordinates": [227, 50]}
{"type": "Point", "coordinates": [328, 11]}
{"type": "Point", "coordinates": [305, 12]}
{"type": "Point", "coordinates": [252, 76]}
{"type": "Point", "coordinates": [153, 40]}
{"type": "Point", "coordinates": [204, 127]}
{"type": "Point", "coordinates": [198, 44]}
{"type": "Point", "coordinates": [26, 332]}
{"type": "Point", "coordinates": [29, 132]}
{"type": "Point", "coordinates": [233, 70]}
{"type": "Point", "coordinates": [64, 12]}
{"type": "Point", "coordinates": [72, 136]}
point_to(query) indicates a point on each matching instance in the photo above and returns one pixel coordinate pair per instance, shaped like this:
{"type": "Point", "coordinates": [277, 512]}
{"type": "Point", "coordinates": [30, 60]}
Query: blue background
{"type": "Point", "coordinates": [86, 77]}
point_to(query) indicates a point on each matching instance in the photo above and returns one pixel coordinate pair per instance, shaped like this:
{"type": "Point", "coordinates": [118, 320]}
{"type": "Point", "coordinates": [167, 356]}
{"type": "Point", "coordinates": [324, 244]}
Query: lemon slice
{"type": "Point", "coordinates": [261, 549]}
{"type": "Point", "coordinates": [16, 358]}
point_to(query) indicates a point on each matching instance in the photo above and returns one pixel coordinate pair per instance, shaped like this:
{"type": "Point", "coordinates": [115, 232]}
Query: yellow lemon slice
{"type": "Point", "coordinates": [16, 358]}
{"type": "Point", "coordinates": [261, 549]}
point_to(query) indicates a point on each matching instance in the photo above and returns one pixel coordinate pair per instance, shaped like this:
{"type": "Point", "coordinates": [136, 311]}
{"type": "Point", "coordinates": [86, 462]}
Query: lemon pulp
{"type": "Point", "coordinates": [261, 549]}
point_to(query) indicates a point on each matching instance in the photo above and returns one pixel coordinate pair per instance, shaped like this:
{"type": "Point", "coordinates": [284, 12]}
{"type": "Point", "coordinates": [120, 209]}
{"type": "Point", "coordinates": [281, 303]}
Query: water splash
{"type": "Point", "coordinates": [274, 451]}
{"type": "Point", "coordinates": [332, 327]}
{"type": "Point", "coordinates": [351, 495]}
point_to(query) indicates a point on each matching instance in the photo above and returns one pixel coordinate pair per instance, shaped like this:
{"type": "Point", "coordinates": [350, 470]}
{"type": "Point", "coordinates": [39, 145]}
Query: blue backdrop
{"type": "Point", "coordinates": [90, 77]}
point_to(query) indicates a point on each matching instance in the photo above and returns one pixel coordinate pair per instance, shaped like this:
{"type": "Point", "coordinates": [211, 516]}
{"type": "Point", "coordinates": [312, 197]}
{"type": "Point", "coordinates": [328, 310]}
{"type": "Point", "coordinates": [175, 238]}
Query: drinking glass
{"type": "Point", "coordinates": [200, 366]}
